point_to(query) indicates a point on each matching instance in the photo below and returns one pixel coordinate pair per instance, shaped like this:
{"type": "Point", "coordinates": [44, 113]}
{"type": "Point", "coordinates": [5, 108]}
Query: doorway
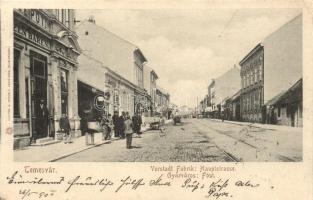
{"type": "Point", "coordinates": [38, 88]}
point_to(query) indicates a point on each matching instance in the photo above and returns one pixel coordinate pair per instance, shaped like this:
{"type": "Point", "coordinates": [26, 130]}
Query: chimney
{"type": "Point", "coordinates": [92, 19]}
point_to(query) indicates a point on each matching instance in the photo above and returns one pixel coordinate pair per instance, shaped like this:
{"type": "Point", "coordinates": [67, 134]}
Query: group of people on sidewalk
{"type": "Point", "coordinates": [123, 126]}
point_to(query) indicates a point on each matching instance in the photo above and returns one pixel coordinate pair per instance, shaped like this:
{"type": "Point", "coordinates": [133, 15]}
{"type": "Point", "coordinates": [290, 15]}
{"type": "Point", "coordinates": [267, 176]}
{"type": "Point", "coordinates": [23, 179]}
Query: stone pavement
{"type": "Point", "coordinates": [53, 152]}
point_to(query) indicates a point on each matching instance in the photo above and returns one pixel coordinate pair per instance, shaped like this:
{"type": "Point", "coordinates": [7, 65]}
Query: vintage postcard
{"type": "Point", "coordinates": [156, 100]}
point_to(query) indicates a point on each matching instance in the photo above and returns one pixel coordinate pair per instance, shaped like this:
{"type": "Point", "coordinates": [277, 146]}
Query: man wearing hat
{"type": "Point", "coordinates": [42, 119]}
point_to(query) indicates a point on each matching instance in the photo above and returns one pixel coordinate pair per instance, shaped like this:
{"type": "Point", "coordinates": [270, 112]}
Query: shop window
{"type": "Point", "coordinates": [64, 92]}
{"type": "Point", "coordinates": [16, 83]}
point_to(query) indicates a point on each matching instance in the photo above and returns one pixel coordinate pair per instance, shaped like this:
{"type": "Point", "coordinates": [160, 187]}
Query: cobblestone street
{"type": "Point", "coordinates": [200, 140]}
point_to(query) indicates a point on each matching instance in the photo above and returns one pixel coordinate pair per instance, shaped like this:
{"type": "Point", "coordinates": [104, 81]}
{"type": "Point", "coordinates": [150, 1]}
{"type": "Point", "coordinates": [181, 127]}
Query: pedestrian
{"type": "Point", "coordinates": [110, 126]}
{"type": "Point", "coordinates": [128, 131]}
{"type": "Point", "coordinates": [104, 123]}
{"type": "Point", "coordinates": [121, 125]}
{"type": "Point", "coordinates": [161, 125]}
{"type": "Point", "coordinates": [115, 120]}
{"type": "Point", "coordinates": [137, 121]}
{"type": "Point", "coordinates": [65, 129]}
{"type": "Point", "coordinates": [89, 124]}
{"type": "Point", "coordinates": [42, 120]}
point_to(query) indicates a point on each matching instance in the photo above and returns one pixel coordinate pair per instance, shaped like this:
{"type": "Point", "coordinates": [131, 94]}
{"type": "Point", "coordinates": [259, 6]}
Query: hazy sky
{"type": "Point", "coordinates": [187, 48]}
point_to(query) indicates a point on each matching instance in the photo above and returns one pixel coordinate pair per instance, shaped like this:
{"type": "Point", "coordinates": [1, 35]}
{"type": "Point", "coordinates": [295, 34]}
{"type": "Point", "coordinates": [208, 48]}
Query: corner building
{"type": "Point", "coordinates": [45, 66]}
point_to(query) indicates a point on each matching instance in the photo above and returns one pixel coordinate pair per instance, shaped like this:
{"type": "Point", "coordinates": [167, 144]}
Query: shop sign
{"type": "Point", "coordinates": [36, 16]}
{"type": "Point", "coordinates": [39, 19]}
{"type": "Point", "coordinates": [31, 35]}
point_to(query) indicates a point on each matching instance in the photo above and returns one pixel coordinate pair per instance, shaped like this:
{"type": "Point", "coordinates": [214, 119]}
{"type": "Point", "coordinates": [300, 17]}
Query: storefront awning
{"type": "Point", "coordinates": [91, 73]}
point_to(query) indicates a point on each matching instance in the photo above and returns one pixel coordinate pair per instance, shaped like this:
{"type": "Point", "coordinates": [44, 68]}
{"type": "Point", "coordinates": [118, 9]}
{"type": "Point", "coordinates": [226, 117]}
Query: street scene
{"type": "Point", "coordinates": [158, 85]}
{"type": "Point", "coordinates": [194, 140]}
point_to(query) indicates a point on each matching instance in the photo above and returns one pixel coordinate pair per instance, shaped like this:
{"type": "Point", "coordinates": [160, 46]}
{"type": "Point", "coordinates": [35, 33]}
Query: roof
{"type": "Point", "coordinates": [105, 30]}
{"type": "Point", "coordinates": [294, 93]}
{"type": "Point", "coordinates": [236, 95]}
{"type": "Point", "coordinates": [275, 99]}
{"type": "Point", "coordinates": [103, 45]}
{"type": "Point", "coordinates": [255, 49]}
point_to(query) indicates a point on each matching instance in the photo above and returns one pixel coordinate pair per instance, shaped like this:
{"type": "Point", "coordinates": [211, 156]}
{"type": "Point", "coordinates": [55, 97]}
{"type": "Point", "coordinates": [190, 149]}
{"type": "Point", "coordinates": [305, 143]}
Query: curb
{"type": "Point", "coordinates": [255, 125]}
{"type": "Point", "coordinates": [85, 148]}
{"type": "Point", "coordinates": [240, 124]}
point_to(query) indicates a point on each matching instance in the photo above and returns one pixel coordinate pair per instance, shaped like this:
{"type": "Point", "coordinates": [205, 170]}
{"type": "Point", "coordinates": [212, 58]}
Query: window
{"type": "Point", "coordinates": [138, 75]}
{"type": "Point", "coordinates": [252, 74]}
{"type": "Point", "coordinates": [260, 71]}
{"type": "Point", "coordinates": [256, 79]}
{"type": "Point", "coordinates": [16, 83]}
{"type": "Point", "coordinates": [279, 111]}
{"type": "Point", "coordinates": [64, 92]}
{"type": "Point", "coordinates": [57, 14]}
{"type": "Point", "coordinates": [256, 99]}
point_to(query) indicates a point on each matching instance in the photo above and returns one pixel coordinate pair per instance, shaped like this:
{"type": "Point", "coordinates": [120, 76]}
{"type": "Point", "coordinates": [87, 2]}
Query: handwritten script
{"type": "Point", "coordinates": [211, 189]}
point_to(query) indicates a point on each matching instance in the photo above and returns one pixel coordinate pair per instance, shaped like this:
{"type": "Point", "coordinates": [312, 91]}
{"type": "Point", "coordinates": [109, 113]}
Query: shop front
{"type": "Point", "coordinates": [142, 102]}
{"type": "Point", "coordinates": [45, 65]}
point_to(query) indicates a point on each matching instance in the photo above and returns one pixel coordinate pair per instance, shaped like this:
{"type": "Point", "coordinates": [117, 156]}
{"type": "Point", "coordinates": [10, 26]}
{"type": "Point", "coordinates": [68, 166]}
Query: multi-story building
{"type": "Point", "coordinates": [271, 67]}
{"type": "Point", "coordinates": [150, 79]}
{"type": "Point", "coordinates": [122, 57]}
{"type": "Point", "coordinates": [45, 67]}
{"type": "Point", "coordinates": [252, 81]}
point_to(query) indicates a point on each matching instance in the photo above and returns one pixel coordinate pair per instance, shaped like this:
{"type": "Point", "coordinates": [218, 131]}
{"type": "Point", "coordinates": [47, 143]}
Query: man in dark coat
{"type": "Point", "coordinates": [115, 120]}
{"type": "Point", "coordinates": [121, 125]}
{"type": "Point", "coordinates": [65, 128]}
{"type": "Point", "coordinates": [137, 121]}
{"type": "Point", "coordinates": [42, 119]}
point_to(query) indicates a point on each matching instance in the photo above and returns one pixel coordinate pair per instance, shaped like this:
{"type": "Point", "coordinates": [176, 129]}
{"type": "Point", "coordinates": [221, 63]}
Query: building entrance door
{"type": "Point", "coordinates": [40, 113]}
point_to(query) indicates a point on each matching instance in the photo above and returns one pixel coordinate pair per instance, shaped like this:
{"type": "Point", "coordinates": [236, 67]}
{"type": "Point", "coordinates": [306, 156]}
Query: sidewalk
{"type": "Point", "coordinates": [265, 126]}
{"type": "Point", "coordinates": [53, 152]}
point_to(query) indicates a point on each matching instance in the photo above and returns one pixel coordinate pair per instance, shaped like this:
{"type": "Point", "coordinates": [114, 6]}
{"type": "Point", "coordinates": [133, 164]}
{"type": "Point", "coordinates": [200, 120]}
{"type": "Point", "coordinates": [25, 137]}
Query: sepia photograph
{"type": "Point", "coordinates": [158, 85]}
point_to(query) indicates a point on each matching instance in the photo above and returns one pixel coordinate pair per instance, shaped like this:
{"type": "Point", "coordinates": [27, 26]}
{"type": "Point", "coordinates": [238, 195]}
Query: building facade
{"type": "Point", "coordinates": [162, 102]}
{"type": "Point", "coordinates": [150, 82]}
{"type": "Point", "coordinates": [252, 81]}
{"type": "Point", "coordinates": [123, 59]}
{"type": "Point", "coordinates": [45, 67]}
{"type": "Point", "coordinates": [270, 68]}
{"type": "Point", "coordinates": [287, 108]}
{"type": "Point", "coordinates": [119, 93]}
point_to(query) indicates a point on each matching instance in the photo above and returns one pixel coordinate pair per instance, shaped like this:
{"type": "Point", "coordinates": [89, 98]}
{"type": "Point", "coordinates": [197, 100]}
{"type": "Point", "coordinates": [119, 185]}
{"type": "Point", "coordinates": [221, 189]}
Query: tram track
{"type": "Point", "coordinates": [227, 154]}
{"type": "Point", "coordinates": [236, 139]}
